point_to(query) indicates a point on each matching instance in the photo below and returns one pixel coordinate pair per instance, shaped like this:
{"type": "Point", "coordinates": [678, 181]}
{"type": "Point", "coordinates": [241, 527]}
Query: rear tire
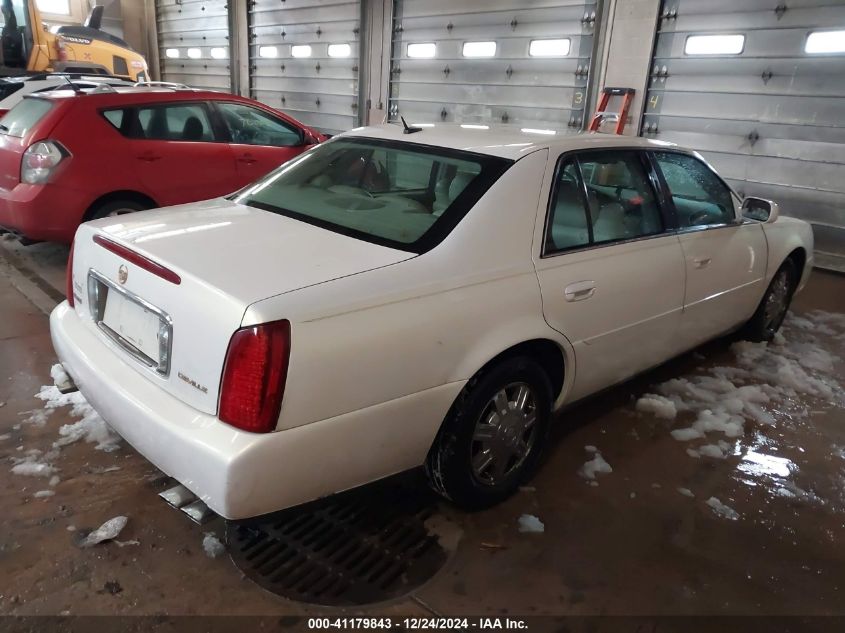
{"type": "Point", "coordinates": [493, 437]}
{"type": "Point", "coordinates": [774, 305]}
{"type": "Point", "coordinates": [114, 208]}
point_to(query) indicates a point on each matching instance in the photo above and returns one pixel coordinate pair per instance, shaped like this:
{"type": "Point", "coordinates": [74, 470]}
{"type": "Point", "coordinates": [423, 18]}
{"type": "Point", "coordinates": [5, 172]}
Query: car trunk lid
{"type": "Point", "coordinates": [205, 264]}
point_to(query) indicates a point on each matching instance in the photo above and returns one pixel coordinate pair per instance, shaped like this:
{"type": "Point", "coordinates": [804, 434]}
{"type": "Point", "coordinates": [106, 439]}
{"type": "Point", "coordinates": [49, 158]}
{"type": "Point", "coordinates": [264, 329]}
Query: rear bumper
{"type": "Point", "coordinates": [238, 474]}
{"type": "Point", "coordinates": [42, 212]}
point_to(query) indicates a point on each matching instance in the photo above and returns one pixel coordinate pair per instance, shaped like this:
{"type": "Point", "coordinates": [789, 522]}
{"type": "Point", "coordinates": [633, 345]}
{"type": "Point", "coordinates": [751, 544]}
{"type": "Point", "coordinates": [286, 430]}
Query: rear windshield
{"type": "Point", "coordinates": [24, 116]}
{"type": "Point", "coordinates": [401, 195]}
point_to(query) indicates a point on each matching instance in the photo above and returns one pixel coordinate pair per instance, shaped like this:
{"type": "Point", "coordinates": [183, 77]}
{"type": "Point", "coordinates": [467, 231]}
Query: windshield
{"type": "Point", "coordinates": [398, 194]}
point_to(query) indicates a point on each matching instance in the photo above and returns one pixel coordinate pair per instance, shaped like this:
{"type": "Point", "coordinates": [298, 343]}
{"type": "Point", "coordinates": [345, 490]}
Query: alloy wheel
{"type": "Point", "coordinates": [504, 434]}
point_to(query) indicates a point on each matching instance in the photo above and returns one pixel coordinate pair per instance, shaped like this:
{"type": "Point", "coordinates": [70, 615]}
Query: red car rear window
{"type": "Point", "coordinates": [24, 116]}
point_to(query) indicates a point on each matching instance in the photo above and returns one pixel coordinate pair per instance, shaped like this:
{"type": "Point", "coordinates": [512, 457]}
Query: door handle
{"type": "Point", "coordinates": [701, 262]}
{"type": "Point", "coordinates": [580, 290]}
{"type": "Point", "coordinates": [149, 158]}
{"type": "Point", "coordinates": [248, 159]}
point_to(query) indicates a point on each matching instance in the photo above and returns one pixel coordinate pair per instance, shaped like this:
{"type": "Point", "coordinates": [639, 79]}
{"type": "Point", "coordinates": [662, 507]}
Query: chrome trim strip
{"type": "Point", "coordinates": [98, 308]}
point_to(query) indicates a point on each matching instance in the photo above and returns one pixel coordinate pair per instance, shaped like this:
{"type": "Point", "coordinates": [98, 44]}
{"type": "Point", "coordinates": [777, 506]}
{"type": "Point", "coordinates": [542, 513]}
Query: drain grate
{"type": "Point", "coordinates": [353, 549]}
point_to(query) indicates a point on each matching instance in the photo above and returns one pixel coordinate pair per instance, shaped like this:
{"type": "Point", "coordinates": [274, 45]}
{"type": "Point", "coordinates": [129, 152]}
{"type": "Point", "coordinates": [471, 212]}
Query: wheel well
{"type": "Point", "coordinates": [134, 196]}
{"type": "Point", "coordinates": [547, 353]}
{"type": "Point", "coordinates": [799, 258]}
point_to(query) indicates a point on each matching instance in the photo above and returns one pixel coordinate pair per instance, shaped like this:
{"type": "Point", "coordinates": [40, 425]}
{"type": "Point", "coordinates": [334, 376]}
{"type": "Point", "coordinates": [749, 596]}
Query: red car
{"type": "Point", "coordinates": [67, 158]}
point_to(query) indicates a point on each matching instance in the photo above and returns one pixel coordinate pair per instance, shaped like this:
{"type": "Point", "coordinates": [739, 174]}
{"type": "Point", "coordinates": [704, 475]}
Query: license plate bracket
{"type": "Point", "coordinates": [137, 326]}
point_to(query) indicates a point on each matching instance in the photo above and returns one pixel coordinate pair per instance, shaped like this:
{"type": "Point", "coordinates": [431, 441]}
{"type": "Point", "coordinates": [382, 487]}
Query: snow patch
{"type": "Point", "coordinates": [58, 374]}
{"type": "Point", "coordinates": [721, 509]}
{"type": "Point", "coordinates": [660, 406]}
{"type": "Point", "coordinates": [38, 417]}
{"type": "Point", "coordinates": [686, 492]}
{"type": "Point", "coordinates": [91, 427]}
{"type": "Point", "coordinates": [766, 376]}
{"type": "Point", "coordinates": [42, 494]}
{"type": "Point", "coordinates": [530, 524]}
{"type": "Point", "coordinates": [35, 464]}
{"type": "Point", "coordinates": [596, 465]}
{"type": "Point", "coordinates": [212, 545]}
{"type": "Point", "coordinates": [106, 532]}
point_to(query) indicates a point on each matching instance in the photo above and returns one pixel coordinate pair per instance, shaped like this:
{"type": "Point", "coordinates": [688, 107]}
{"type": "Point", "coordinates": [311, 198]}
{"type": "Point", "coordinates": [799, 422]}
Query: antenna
{"type": "Point", "coordinates": [409, 129]}
{"type": "Point", "coordinates": [73, 86]}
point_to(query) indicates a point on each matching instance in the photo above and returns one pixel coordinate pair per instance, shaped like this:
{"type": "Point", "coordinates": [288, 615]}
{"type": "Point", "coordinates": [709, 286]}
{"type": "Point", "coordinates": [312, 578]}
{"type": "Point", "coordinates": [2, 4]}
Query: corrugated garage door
{"type": "Point", "coordinates": [193, 39]}
{"type": "Point", "coordinates": [497, 61]}
{"type": "Point", "coordinates": [304, 59]}
{"type": "Point", "coordinates": [766, 112]}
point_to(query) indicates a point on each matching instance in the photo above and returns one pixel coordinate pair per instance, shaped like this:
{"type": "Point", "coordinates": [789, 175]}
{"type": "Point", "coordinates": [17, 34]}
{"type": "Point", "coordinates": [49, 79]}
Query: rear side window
{"type": "Point", "coordinates": [176, 122]}
{"type": "Point", "coordinates": [602, 197]}
{"type": "Point", "coordinates": [24, 116]}
{"type": "Point", "coordinates": [700, 197]}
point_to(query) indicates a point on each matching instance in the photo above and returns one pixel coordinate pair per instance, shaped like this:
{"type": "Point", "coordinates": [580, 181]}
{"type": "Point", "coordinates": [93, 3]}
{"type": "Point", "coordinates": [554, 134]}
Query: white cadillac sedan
{"type": "Point", "coordinates": [393, 299]}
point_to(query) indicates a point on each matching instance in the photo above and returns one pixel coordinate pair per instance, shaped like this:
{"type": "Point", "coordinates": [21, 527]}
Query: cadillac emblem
{"type": "Point", "coordinates": [122, 274]}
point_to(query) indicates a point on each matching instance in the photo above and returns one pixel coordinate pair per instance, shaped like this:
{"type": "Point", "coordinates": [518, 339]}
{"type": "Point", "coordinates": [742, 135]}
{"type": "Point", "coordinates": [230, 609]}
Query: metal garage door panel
{"type": "Point", "coordinates": [773, 148]}
{"type": "Point", "coordinates": [512, 86]}
{"type": "Point", "coordinates": [779, 84]}
{"type": "Point", "coordinates": [319, 90]}
{"type": "Point", "coordinates": [706, 127]}
{"type": "Point", "coordinates": [194, 25]}
{"type": "Point", "coordinates": [686, 67]}
{"type": "Point", "coordinates": [749, 19]}
{"type": "Point", "coordinates": [769, 43]}
{"type": "Point", "coordinates": [770, 119]}
{"type": "Point", "coordinates": [532, 72]}
{"type": "Point", "coordinates": [707, 7]}
{"type": "Point", "coordinates": [826, 111]}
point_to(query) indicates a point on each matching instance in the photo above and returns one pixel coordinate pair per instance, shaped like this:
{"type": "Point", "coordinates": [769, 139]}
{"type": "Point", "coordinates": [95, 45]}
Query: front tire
{"type": "Point", "coordinates": [493, 437]}
{"type": "Point", "coordinates": [773, 307]}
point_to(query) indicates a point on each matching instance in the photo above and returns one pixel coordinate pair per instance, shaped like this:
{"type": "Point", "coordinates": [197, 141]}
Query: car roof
{"type": "Point", "coordinates": [505, 141]}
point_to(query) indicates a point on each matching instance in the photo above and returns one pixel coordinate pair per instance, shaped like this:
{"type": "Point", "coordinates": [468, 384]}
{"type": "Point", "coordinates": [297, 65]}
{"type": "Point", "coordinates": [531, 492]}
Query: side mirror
{"type": "Point", "coordinates": [760, 210]}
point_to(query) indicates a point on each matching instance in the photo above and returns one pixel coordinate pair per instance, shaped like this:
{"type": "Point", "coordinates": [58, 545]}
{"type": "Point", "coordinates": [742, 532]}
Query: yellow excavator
{"type": "Point", "coordinates": [28, 45]}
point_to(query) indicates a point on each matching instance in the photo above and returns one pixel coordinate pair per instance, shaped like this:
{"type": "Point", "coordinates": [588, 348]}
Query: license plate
{"type": "Point", "coordinates": [134, 323]}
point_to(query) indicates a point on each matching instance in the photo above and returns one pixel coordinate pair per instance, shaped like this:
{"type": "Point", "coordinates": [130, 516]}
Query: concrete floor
{"type": "Point", "coordinates": [631, 545]}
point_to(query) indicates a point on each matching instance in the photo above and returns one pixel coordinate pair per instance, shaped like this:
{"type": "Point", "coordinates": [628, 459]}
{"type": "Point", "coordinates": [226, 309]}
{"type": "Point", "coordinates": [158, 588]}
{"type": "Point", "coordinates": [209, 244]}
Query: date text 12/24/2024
{"type": "Point", "coordinates": [418, 624]}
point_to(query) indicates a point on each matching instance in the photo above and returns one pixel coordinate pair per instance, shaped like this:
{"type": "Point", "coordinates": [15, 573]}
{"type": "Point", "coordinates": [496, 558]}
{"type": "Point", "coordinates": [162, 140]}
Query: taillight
{"type": "Point", "coordinates": [69, 277]}
{"type": "Point", "coordinates": [39, 161]}
{"type": "Point", "coordinates": [3, 112]}
{"type": "Point", "coordinates": [254, 376]}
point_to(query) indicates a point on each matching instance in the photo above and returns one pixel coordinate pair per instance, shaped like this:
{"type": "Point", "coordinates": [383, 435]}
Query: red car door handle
{"type": "Point", "coordinates": [248, 159]}
{"type": "Point", "coordinates": [149, 158]}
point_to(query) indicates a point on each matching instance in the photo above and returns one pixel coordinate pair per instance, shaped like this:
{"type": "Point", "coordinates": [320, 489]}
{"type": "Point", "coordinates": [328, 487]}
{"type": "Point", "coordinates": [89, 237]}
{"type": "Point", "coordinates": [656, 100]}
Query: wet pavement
{"type": "Point", "coordinates": [756, 528]}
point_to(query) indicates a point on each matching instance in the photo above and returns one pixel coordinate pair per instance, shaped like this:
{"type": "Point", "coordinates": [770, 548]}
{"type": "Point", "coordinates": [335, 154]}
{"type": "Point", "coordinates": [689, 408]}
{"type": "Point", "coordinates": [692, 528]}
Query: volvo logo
{"type": "Point", "coordinates": [122, 274]}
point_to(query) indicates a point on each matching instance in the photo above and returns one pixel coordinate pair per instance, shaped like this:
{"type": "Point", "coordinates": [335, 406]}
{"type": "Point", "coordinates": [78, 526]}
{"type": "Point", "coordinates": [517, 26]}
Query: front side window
{"type": "Point", "coordinates": [251, 126]}
{"type": "Point", "coordinates": [602, 197]}
{"type": "Point", "coordinates": [699, 195]}
{"type": "Point", "coordinates": [398, 194]}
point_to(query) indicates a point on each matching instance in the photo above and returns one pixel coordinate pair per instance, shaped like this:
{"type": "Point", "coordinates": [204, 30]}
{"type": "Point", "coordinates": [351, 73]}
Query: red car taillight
{"type": "Point", "coordinates": [69, 276]}
{"type": "Point", "coordinates": [40, 160]}
{"type": "Point", "coordinates": [254, 376]}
